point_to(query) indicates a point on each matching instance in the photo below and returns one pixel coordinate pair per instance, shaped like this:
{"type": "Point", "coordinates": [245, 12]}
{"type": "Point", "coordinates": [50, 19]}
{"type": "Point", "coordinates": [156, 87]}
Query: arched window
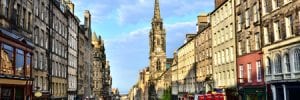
{"type": "Point", "coordinates": [297, 59]}
{"type": "Point", "coordinates": [158, 65]}
{"type": "Point", "coordinates": [268, 65]}
{"type": "Point", "coordinates": [277, 63]}
{"type": "Point", "coordinates": [287, 62]}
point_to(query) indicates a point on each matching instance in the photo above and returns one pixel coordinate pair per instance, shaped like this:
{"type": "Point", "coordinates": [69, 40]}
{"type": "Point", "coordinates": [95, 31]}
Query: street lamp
{"type": "Point", "coordinates": [38, 92]}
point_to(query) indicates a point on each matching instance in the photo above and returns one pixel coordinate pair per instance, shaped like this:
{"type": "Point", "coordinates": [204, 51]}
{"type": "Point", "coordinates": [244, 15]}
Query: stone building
{"type": "Point", "coordinates": [73, 23]}
{"type": "Point", "coordinates": [157, 40]}
{"type": "Point", "coordinates": [101, 70]}
{"type": "Point", "coordinates": [218, 3]}
{"type": "Point", "coordinates": [203, 55]}
{"type": "Point", "coordinates": [142, 84]}
{"type": "Point", "coordinates": [16, 49]}
{"type": "Point", "coordinates": [84, 77]}
{"type": "Point", "coordinates": [174, 75]}
{"type": "Point", "coordinates": [40, 38]}
{"type": "Point", "coordinates": [59, 50]}
{"type": "Point", "coordinates": [223, 44]}
{"type": "Point", "coordinates": [186, 68]}
{"type": "Point", "coordinates": [249, 54]}
{"type": "Point", "coordinates": [280, 27]}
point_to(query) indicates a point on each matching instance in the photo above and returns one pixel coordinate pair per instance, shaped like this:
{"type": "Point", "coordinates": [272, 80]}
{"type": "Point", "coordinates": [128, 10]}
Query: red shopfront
{"type": "Point", "coordinates": [218, 96]}
{"type": "Point", "coordinates": [15, 67]}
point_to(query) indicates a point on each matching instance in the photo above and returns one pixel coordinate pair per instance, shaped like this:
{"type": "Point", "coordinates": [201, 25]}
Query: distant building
{"type": "Point", "coordinates": [157, 64]}
{"type": "Point", "coordinates": [84, 77]}
{"type": "Point", "coordinates": [101, 70]}
{"type": "Point", "coordinates": [73, 32]}
{"type": "Point", "coordinates": [223, 44]}
{"type": "Point", "coordinates": [249, 55]}
{"type": "Point", "coordinates": [186, 69]}
{"type": "Point", "coordinates": [203, 56]}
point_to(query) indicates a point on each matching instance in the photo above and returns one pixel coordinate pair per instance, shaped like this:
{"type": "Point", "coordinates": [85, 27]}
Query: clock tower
{"type": "Point", "coordinates": [157, 40]}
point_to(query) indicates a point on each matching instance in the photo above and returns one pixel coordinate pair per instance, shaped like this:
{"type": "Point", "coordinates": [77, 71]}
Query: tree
{"type": "Point", "coordinates": [167, 94]}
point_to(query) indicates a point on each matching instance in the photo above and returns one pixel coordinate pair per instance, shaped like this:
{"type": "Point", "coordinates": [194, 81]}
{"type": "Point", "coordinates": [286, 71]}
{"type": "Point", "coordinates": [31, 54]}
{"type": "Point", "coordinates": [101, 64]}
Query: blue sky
{"type": "Point", "coordinates": [124, 25]}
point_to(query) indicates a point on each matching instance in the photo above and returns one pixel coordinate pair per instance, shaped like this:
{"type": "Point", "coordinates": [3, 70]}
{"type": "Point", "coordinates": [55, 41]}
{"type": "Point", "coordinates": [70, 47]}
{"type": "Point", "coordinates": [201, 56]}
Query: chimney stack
{"type": "Point", "coordinates": [219, 3]}
{"type": "Point", "coordinates": [203, 21]}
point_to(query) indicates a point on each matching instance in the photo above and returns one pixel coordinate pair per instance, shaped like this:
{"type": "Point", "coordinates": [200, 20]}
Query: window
{"type": "Point", "coordinates": [255, 12]}
{"type": "Point", "coordinates": [45, 62]}
{"type": "Point", "coordinates": [223, 56]}
{"type": "Point", "coordinates": [36, 7]}
{"type": "Point", "coordinates": [258, 71]}
{"type": "Point", "coordinates": [215, 58]}
{"type": "Point", "coordinates": [41, 61]}
{"type": "Point", "coordinates": [248, 45]}
{"type": "Point", "coordinates": [7, 59]}
{"type": "Point", "coordinates": [231, 31]}
{"type": "Point", "coordinates": [265, 7]}
{"type": "Point", "coordinates": [240, 47]}
{"type": "Point", "coordinates": [276, 30]}
{"type": "Point", "coordinates": [257, 41]}
{"type": "Point", "coordinates": [238, 2]}
{"type": "Point", "coordinates": [231, 54]}
{"type": "Point", "coordinates": [46, 40]}
{"type": "Point", "coordinates": [266, 35]}
{"type": "Point", "coordinates": [35, 82]}
{"type": "Point", "coordinates": [45, 83]}
{"type": "Point", "coordinates": [42, 38]}
{"type": "Point", "coordinates": [239, 26]}
{"type": "Point", "coordinates": [36, 35]}
{"type": "Point", "coordinates": [275, 4]}
{"type": "Point", "coordinates": [287, 63]}
{"type": "Point", "coordinates": [219, 58]}
{"type": "Point", "coordinates": [287, 1]}
{"type": "Point", "coordinates": [29, 21]}
{"type": "Point", "coordinates": [277, 64]}
{"type": "Point", "coordinates": [23, 21]}
{"type": "Point", "coordinates": [227, 55]}
{"type": "Point", "coordinates": [42, 12]}
{"type": "Point", "coordinates": [4, 8]}
{"type": "Point", "coordinates": [241, 74]}
{"type": "Point", "coordinates": [289, 25]}
{"type": "Point", "coordinates": [249, 71]}
{"type": "Point", "coordinates": [247, 18]}
{"type": "Point", "coordinates": [297, 59]}
{"type": "Point", "coordinates": [18, 14]}
{"type": "Point", "coordinates": [20, 62]}
{"type": "Point", "coordinates": [28, 64]}
{"type": "Point", "coordinates": [269, 65]}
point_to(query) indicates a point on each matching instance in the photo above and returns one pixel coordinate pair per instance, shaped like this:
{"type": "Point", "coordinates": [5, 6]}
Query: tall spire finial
{"type": "Point", "coordinates": [94, 37]}
{"type": "Point", "coordinates": [156, 10]}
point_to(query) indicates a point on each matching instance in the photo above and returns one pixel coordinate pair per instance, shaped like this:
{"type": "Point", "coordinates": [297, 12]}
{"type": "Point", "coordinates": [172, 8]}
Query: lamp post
{"type": "Point", "coordinates": [38, 92]}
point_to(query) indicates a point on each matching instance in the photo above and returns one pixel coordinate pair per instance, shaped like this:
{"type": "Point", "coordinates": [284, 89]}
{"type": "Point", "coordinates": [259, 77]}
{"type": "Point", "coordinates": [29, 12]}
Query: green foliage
{"type": "Point", "coordinates": [167, 94]}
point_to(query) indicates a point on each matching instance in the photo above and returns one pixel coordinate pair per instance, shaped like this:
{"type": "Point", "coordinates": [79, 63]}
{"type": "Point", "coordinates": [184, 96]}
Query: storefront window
{"type": "Point", "coordinates": [6, 59]}
{"type": "Point", "coordinates": [7, 93]}
{"type": "Point", "coordinates": [20, 61]}
{"type": "Point", "coordinates": [28, 64]}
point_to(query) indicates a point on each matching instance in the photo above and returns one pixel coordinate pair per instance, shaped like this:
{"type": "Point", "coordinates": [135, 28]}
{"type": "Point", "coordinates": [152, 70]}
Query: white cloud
{"type": "Point", "coordinates": [143, 9]}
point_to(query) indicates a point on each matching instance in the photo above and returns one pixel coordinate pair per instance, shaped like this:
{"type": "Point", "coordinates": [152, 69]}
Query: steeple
{"type": "Point", "coordinates": [94, 37]}
{"type": "Point", "coordinates": [156, 16]}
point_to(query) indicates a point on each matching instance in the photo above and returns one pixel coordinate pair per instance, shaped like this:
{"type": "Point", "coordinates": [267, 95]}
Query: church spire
{"type": "Point", "coordinates": [156, 16]}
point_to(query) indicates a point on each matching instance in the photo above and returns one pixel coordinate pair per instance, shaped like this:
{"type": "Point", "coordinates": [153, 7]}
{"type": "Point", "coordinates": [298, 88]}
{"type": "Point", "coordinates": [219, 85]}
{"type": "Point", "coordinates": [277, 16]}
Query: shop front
{"type": "Point", "coordinates": [15, 91]}
{"type": "Point", "coordinates": [285, 90]}
{"type": "Point", "coordinates": [253, 93]}
{"type": "Point", "coordinates": [15, 67]}
{"type": "Point", "coordinates": [215, 96]}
